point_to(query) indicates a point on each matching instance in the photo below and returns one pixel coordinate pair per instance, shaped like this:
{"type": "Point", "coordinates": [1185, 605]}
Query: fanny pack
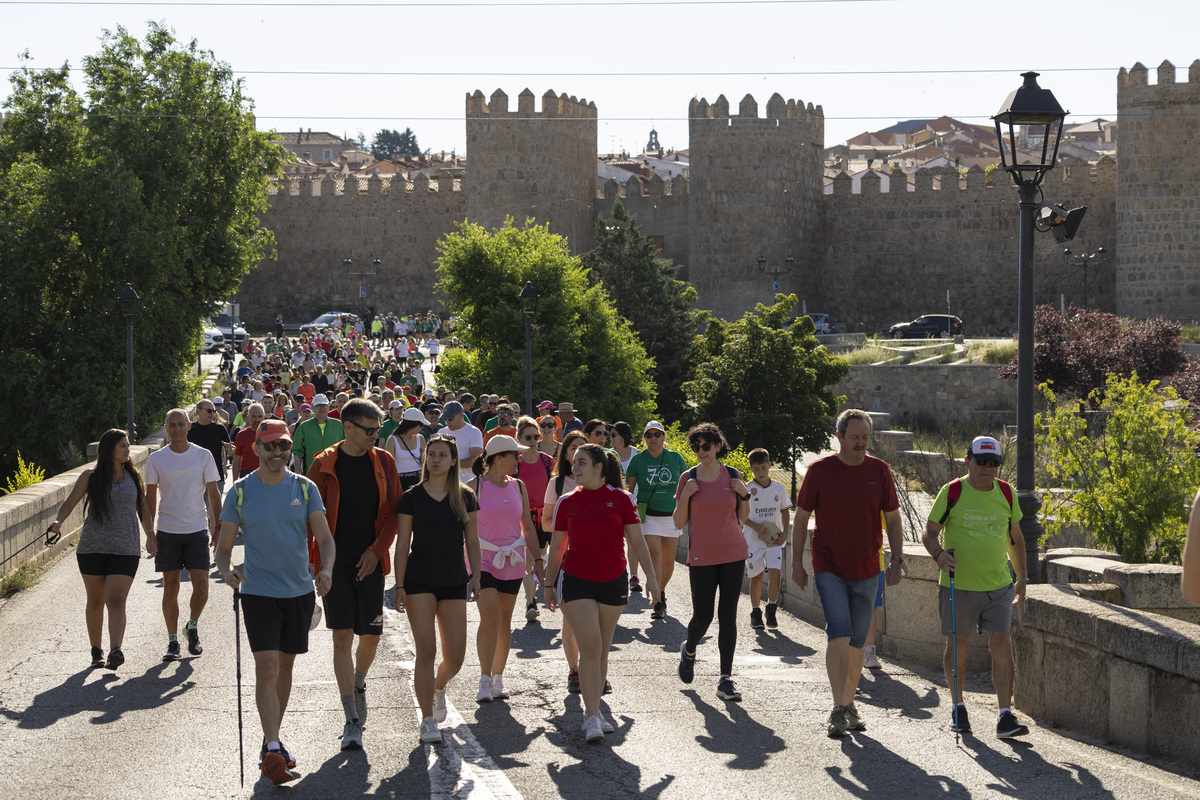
{"type": "Point", "coordinates": [650, 512]}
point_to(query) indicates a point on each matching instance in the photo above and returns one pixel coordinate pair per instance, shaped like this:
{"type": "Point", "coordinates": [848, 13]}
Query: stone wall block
{"type": "Point", "coordinates": [1066, 667]}
{"type": "Point", "coordinates": [1129, 693]}
{"type": "Point", "coordinates": [1147, 585]}
{"type": "Point", "coordinates": [1175, 705]}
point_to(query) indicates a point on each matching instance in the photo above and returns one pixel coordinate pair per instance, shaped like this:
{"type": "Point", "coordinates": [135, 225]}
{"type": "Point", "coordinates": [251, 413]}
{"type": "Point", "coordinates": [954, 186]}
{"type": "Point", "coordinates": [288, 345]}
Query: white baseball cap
{"type": "Point", "coordinates": [320, 400]}
{"type": "Point", "coordinates": [653, 425]}
{"type": "Point", "coordinates": [985, 446]}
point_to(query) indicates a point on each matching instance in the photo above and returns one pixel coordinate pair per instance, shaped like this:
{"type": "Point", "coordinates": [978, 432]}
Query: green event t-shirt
{"type": "Point", "coordinates": [977, 531]}
{"type": "Point", "coordinates": [657, 478]}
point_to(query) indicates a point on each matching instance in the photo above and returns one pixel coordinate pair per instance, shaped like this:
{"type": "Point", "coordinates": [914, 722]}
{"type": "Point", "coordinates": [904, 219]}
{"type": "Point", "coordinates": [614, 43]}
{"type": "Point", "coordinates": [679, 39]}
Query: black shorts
{"type": "Point", "coordinates": [278, 623]}
{"type": "Point", "coordinates": [606, 593]}
{"type": "Point", "coordinates": [178, 551]}
{"type": "Point", "coordinates": [544, 537]}
{"type": "Point", "coordinates": [107, 564]}
{"type": "Point", "coordinates": [440, 593]}
{"type": "Point", "coordinates": [489, 581]}
{"type": "Point", "coordinates": [409, 480]}
{"type": "Point", "coordinates": [353, 603]}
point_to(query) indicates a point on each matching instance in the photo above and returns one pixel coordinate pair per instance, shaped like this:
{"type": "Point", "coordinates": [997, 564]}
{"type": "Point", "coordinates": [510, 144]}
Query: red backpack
{"type": "Point", "coordinates": [956, 492]}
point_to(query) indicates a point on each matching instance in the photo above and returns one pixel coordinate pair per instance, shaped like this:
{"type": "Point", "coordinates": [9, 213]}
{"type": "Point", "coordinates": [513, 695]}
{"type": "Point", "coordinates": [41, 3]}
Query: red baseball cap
{"type": "Point", "coordinates": [272, 430]}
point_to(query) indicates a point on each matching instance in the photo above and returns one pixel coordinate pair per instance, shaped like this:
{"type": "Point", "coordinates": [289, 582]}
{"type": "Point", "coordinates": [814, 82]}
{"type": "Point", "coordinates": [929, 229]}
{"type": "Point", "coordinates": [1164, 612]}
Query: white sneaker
{"type": "Point", "coordinates": [870, 660]}
{"type": "Point", "coordinates": [498, 690]}
{"type": "Point", "coordinates": [429, 731]}
{"type": "Point", "coordinates": [439, 705]}
{"type": "Point", "coordinates": [593, 729]}
{"type": "Point", "coordinates": [484, 694]}
{"type": "Point", "coordinates": [605, 724]}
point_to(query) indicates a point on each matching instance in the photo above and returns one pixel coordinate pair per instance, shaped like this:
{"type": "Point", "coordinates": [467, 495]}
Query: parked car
{"type": "Point", "coordinates": [231, 328]}
{"type": "Point", "coordinates": [929, 326]}
{"type": "Point", "coordinates": [327, 320]}
{"type": "Point", "coordinates": [823, 323]}
{"type": "Point", "coordinates": [214, 340]}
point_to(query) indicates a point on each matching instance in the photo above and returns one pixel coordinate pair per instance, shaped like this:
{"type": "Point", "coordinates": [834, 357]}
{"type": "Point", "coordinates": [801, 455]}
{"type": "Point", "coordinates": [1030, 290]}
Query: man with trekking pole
{"type": "Point", "coordinates": [274, 508]}
{"type": "Point", "coordinates": [977, 521]}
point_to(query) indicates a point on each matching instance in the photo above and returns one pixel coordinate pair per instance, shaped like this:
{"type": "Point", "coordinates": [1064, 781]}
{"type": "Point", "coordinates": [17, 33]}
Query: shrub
{"type": "Point", "coordinates": [27, 475]}
{"type": "Point", "coordinates": [676, 439]}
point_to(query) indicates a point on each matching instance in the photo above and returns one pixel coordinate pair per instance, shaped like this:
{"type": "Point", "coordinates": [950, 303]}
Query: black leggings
{"type": "Point", "coordinates": [705, 582]}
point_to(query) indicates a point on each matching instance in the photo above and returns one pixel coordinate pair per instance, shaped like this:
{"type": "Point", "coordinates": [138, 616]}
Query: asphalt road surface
{"type": "Point", "coordinates": [170, 730]}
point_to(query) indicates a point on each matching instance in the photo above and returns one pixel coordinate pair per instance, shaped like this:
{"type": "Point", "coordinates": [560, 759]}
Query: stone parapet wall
{"type": "Point", "coordinates": [960, 392]}
{"type": "Point", "coordinates": [1152, 588]}
{"type": "Point", "coordinates": [661, 210]}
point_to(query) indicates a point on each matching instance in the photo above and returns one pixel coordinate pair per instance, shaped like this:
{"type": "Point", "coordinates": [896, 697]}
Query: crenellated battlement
{"type": "Point", "coordinates": [553, 106]}
{"type": "Point", "coordinates": [1134, 87]}
{"type": "Point", "coordinates": [790, 117]}
{"type": "Point", "coordinates": [948, 184]}
{"type": "Point", "coordinates": [306, 186]}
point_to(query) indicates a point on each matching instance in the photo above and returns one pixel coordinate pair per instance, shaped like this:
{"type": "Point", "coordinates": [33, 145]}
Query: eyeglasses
{"type": "Point", "coordinates": [696, 448]}
{"type": "Point", "coordinates": [205, 408]}
{"type": "Point", "coordinates": [530, 437]}
{"type": "Point", "coordinates": [988, 462]}
{"type": "Point", "coordinates": [364, 428]}
{"type": "Point", "coordinates": [271, 447]}
{"type": "Point", "coordinates": [652, 435]}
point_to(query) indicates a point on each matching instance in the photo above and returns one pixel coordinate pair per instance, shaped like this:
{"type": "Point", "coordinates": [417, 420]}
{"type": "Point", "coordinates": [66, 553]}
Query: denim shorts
{"type": "Point", "coordinates": [848, 606]}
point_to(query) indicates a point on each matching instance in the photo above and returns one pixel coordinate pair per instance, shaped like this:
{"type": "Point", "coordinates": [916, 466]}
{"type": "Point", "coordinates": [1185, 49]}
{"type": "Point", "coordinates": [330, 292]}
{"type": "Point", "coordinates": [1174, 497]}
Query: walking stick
{"type": "Point", "coordinates": [237, 633]}
{"type": "Point", "coordinates": [954, 655]}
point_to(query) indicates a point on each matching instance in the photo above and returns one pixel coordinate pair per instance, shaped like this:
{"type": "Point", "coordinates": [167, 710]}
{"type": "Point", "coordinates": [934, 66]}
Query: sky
{"type": "Point", "coordinates": [363, 66]}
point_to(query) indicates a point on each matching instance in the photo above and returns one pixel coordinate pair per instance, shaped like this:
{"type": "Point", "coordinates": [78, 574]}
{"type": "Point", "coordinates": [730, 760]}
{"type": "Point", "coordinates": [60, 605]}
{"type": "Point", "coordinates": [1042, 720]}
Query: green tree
{"type": "Point", "coordinates": [658, 305]}
{"type": "Point", "coordinates": [1131, 484]}
{"type": "Point", "coordinates": [764, 385]}
{"type": "Point", "coordinates": [388, 143]}
{"type": "Point", "coordinates": [583, 353]}
{"type": "Point", "coordinates": [154, 177]}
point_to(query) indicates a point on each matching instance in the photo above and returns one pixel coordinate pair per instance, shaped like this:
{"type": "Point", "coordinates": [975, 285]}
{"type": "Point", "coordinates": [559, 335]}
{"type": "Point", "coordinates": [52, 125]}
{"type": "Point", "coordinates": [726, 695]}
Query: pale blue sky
{"type": "Point", "coordinates": [667, 52]}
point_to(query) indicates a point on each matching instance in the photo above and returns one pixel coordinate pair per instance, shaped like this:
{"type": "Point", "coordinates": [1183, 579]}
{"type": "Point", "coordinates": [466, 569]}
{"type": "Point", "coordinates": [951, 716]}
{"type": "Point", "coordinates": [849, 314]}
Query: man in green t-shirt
{"type": "Point", "coordinates": [982, 529]}
{"type": "Point", "coordinates": [314, 435]}
{"type": "Point", "coordinates": [654, 473]}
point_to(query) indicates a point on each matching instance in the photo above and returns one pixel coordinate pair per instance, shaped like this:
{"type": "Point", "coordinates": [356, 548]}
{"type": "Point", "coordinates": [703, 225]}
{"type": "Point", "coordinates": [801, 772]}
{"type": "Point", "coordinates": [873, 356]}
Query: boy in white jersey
{"type": "Point", "coordinates": [766, 531]}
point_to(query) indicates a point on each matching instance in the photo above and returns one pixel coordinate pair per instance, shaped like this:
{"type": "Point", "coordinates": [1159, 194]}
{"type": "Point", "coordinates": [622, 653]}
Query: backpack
{"type": "Point", "coordinates": [733, 475]}
{"type": "Point", "coordinates": [955, 492]}
{"type": "Point", "coordinates": [239, 488]}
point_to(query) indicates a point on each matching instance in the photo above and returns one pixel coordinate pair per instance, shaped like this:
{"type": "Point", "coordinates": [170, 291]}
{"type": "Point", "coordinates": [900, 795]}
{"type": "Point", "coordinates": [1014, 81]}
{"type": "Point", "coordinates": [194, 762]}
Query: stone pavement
{"type": "Point", "coordinates": [170, 730]}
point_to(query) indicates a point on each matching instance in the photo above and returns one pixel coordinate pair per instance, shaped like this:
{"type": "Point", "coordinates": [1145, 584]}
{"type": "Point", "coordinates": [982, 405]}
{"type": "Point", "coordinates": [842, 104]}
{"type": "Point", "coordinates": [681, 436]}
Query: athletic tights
{"type": "Point", "coordinates": [705, 582]}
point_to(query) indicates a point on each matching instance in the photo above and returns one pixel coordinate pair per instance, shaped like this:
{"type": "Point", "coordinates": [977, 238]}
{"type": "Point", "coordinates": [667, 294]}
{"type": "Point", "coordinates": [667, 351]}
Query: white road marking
{"type": "Point", "coordinates": [459, 767]}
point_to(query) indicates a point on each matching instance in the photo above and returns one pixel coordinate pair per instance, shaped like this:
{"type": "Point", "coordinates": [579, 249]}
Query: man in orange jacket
{"type": "Point", "coordinates": [360, 487]}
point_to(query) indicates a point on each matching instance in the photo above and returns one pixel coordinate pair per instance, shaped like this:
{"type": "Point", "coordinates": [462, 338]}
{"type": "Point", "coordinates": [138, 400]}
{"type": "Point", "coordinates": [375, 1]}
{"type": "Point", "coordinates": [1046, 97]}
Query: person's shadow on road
{"type": "Point", "coordinates": [775, 643]}
{"type": "Point", "coordinates": [503, 736]}
{"type": "Point", "coordinates": [749, 742]}
{"type": "Point", "coordinates": [112, 699]}
{"type": "Point", "coordinates": [578, 780]}
{"type": "Point", "coordinates": [1018, 759]}
{"type": "Point", "coordinates": [875, 772]}
{"type": "Point", "coordinates": [884, 691]}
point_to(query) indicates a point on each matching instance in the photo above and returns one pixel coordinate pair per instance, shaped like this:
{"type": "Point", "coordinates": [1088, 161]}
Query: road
{"type": "Point", "coordinates": [154, 729]}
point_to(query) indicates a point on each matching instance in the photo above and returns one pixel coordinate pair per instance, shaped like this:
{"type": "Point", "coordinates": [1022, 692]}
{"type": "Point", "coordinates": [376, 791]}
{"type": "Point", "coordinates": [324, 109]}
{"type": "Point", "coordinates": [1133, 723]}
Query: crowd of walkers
{"type": "Point", "coordinates": [339, 459]}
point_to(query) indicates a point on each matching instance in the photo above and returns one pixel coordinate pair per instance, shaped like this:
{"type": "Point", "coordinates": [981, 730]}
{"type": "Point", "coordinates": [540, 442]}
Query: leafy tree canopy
{"type": "Point", "coordinates": [584, 352]}
{"type": "Point", "coordinates": [388, 143]}
{"type": "Point", "coordinates": [646, 292]}
{"type": "Point", "coordinates": [766, 386]}
{"type": "Point", "coordinates": [155, 176]}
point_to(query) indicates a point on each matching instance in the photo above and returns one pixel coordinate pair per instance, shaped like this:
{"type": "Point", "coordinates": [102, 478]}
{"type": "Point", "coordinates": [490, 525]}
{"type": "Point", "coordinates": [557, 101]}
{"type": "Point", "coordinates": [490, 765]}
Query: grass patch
{"type": "Point", "coordinates": [21, 578]}
{"type": "Point", "coordinates": [1190, 333]}
{"type": "Point", "coordinates": [869, 355]}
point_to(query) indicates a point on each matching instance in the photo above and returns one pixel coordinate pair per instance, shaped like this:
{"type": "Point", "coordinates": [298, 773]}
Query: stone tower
{"type": "Point", "coordinates": [533, 164]}
{"type": "Point", "coordinates": [755, 191]}
{"type": "Point", "coordinates": [1158, 207]}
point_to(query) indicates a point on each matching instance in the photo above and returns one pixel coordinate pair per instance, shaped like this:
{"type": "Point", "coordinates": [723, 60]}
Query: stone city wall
{"type": "Point", "coordinates": [946, 392]}
{"type": "Point", "coordinates": [661, 210]}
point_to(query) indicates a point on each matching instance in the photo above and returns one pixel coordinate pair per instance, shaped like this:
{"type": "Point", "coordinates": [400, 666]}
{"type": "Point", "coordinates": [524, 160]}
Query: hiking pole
{"type": "Point", "coordinates": [954, 655]}
{"type": "Point", "coordinates": [237, 634]}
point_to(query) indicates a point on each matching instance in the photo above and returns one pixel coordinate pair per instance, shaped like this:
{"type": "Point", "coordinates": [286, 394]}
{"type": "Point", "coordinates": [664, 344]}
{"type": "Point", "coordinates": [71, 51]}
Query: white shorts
{"type": "Point", "coordinates": [660, 526]}
{"type": "Point", "coordinates": [761, 557]}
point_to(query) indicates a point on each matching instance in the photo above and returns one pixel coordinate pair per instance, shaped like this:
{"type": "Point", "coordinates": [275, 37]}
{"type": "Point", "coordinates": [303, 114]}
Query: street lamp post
{"type": "Point", "coordinates": [348, 264]}
{"type": "Point", "coordinates": [1083, 260]}
{"type": "Point", "coordinates": [129, 300]}
{"type": "Point", "coordinates": [1034, 107]}
{"type": "Point", "coordinates": [789, 262]}
{"type": "Point", "coordinates": [529, 301]}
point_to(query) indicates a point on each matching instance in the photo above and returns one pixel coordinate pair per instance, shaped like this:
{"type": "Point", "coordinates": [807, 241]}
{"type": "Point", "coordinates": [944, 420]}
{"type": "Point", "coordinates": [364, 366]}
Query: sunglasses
{"type": "Point", "coordinates": [530, 438]}
{"type": "Point", "coordinates": [365, 429]}
{"type": "Point", "coordinates": [652, 435]}
{"type": "Point", "coordinates": [705, 447]}
{"type": "Point", "coordinates": [208, 409]}
{"type": "Point", "coordinates": [546, 426]}
{"type": "Point", "coordinates": [988, 462]}
{"type": "Point", "coordinates": [271, 447]}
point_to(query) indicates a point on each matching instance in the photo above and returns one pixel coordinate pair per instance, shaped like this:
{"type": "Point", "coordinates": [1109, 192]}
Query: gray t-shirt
{"type": "Point", "coordinates": [120, 532]}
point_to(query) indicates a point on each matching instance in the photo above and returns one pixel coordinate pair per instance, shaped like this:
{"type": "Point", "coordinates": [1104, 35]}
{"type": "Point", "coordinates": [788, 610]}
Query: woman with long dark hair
{"type": "Point", "coordinates": [109, 543]}
{"type": "Point", "coordinates": [561, 484]}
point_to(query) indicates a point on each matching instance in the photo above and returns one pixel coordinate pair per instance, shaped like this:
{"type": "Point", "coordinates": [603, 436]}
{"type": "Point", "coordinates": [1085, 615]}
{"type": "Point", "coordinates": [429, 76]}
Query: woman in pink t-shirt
{"type": "Point", "coordinates": [707, 501]}
{"type": "Point", "coordinates": [509, 546]}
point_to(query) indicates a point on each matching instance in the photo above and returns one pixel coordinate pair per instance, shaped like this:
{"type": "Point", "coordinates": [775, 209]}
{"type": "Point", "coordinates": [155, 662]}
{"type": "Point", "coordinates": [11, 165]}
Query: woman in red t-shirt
{"type": "Point", "coordinates": [587, 556]}
{"type": "Point", "coordinates": [706, 500]}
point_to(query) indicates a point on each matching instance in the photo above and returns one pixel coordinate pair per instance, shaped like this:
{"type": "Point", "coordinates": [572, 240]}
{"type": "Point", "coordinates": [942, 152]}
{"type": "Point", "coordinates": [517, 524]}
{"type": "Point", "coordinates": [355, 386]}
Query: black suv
{"type": "Point", "coordinates": [929, 326]}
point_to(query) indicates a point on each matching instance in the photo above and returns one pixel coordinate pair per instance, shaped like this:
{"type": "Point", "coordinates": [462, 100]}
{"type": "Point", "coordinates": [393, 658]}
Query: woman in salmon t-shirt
{"type": "Point", "coordinates": [587, 565]}
{"type": "Point", "coordinates": [706, 500]}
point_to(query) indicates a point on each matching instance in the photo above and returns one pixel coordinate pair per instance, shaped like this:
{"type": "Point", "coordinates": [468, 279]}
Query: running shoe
{"type": "Point", "coordinates": [97, 657]}
{"type": "Point", "coordinates": [593, 729]}
{"type": "Point", "coordinates": [360, 704]}
{"type": "Point", "coordinates": [193, 637]}
{"type": "Point", "coordinates": [352, 735]}
{"type": "Point", "coordinates": [274, 766]}
{"type": "Point", "coordinates": [429, 731]}
{"type": "Point", "coordinates": [607, 687]}
{"type": "Point", "coordinates": [727, 691]}
{"type": "Point", "coordinates": [287, 757]}
{"type": "Point", "coordinates": [531, 612]}
{"type": "Point", "coordinates": [660, 610]}
{"type": "Point", "coordinates": [484, 693]}
{"type": "Point", "coordinates": [771, 621]}
{"type": "Point", "coordinates": [853, 721]}
{"type": "Point", "coordinates": [635, 585]}
{"type": "Point", "coordinates": [498, 690]}
{"type": "Point", "coordinates": [870, 659]}
{"type": "Point", "coordinates": [960, 723]}
{"type": "Point", "coordinates": [687, 664]}
{"type": "Point", "coordinates": [837, 722]}
{"type": "Point", "coordinates": [439, 705]}
{"type": "Point", "coordinates": [1008, 726]}
{"type": "Point", "coordinates": [756, 619]}
{"type": "Point", "coordinates": [115, 658]}
{"type": "Point", "coordinates": [605, 723]}
{"type": "Point", "coordinates": [172, 653]}
{"type": "Point", "coordinates": [573, 681]}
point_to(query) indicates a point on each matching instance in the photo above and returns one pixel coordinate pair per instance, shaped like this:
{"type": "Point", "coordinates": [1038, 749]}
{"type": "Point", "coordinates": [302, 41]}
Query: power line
{"type": "Point", "coordinates": [514, 118]}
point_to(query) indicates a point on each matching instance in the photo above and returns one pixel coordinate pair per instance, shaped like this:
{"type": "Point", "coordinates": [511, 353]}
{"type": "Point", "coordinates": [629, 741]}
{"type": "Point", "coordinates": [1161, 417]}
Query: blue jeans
{"type": "Point", "coordinates": [848, 606]}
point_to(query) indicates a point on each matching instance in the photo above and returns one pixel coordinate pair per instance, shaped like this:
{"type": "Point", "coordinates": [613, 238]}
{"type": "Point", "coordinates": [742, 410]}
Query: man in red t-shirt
{"type": "Point", "coordinates": [847, 491]}
{"type": "Point", "coordinates": [245, 460]}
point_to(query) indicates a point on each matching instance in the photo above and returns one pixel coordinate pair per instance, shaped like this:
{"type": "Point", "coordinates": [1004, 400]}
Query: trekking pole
{"type": "Point", "coordinates": [954, 655]}
{"type": "Point", "coordinates": [237, 633]}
